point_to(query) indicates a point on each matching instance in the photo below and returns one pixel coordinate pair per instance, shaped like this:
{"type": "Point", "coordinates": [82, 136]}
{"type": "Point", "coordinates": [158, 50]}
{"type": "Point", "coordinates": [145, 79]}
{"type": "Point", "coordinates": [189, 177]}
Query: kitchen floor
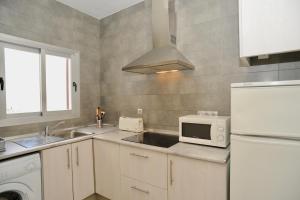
{"type": "Point", "coordinates": [96, 197]}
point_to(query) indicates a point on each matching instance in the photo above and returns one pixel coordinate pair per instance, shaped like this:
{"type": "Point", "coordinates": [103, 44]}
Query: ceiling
{"type": "Point", "coordinates": [99, 8]}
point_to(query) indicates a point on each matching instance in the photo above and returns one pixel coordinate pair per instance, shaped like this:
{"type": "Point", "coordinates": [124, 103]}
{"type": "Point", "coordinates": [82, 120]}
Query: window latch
{"type": "Point", "coordinates": [1, 83]}
{"type": "Point", "coordinates": [75, 86]}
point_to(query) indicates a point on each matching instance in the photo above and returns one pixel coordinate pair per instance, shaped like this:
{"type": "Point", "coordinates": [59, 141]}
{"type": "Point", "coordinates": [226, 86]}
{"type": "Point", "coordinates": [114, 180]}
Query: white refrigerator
{"type": "Point", "coordinates": [265, 141]}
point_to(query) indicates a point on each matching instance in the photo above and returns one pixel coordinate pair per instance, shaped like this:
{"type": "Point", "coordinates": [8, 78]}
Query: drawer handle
{"type": "Point", "coordinates": [137, 155]}
{"type": "Point", "coordinates": [140, 190]}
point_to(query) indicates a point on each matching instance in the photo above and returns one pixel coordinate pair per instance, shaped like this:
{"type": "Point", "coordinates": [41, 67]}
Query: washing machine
{"type": "Point", "coordinates": [20, 178]}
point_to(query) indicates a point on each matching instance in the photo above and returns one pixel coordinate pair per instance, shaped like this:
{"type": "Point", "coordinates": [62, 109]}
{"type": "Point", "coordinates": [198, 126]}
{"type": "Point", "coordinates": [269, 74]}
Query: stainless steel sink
{"type": "Point", "coordinates": [35, 141]}
{"type": "Point", "coordinates": [70, 134]}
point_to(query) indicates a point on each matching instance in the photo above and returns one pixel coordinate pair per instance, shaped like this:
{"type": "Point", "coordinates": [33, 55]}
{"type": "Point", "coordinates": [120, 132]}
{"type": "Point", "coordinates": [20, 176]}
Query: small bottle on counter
{"type": "Point", "coordinates": [99, 123]}
{"type": "Point", "coordinates": [99, 117]}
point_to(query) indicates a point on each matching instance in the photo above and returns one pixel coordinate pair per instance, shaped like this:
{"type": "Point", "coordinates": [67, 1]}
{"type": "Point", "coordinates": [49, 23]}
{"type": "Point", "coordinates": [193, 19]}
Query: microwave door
{"type": "Point", "coordinates": [197, 131]}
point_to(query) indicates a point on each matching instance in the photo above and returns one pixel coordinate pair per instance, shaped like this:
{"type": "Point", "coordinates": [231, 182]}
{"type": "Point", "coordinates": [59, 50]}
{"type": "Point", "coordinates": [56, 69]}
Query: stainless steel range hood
{"type": "Point", "coordinates": [164, 57]}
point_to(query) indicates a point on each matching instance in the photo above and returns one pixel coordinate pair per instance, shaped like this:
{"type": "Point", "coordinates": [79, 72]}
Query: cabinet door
{"type": "Point", "coordinates": [264, 168]}
{"type": "Point", "coordinates": [136, 190]}
{"type": "Point", "coordinates": [197, 180]}
{"type": "Point", "coordinates": [83, 169]}
{"type": "Point", "coordinates": [57, 173]}
{"type": "Point", "coordinates": [107, 169]}
{"type": "Point", "coordinates": [268, 27]}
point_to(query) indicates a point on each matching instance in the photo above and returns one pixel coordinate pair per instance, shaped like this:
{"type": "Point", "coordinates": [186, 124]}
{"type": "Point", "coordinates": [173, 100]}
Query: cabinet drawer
{"type": "Point", "coordinates": [144, 165]}
{"type": "Point", "coordinates": [135, 190]}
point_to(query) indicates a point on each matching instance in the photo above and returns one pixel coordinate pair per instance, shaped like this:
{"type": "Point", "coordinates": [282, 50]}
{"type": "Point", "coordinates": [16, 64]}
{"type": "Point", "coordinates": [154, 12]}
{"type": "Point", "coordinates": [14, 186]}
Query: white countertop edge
{"type": "Point", "coordinates": [265, 84]}
{"type": "Point", "coordinates": [224, 161]}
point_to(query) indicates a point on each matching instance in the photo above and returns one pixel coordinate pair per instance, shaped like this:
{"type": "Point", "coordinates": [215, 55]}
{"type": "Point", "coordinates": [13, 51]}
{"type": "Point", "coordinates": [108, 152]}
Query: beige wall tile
{"type": "Point", "coordinates": [207, 34]}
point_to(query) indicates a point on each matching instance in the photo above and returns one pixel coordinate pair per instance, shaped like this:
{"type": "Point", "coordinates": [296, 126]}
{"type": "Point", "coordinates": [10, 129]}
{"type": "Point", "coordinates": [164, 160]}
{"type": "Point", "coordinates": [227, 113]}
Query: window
{"type": "Point", "coordinates": [38, 82]}
{"type": "Point", "coordinates": [58, 83]}
{"type": "Point", "coordinates": [22, 75]}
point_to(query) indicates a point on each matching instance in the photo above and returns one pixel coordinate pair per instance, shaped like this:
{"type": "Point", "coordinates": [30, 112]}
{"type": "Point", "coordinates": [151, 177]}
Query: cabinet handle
{"type": "Point", "coordinates": [140, 190]}
{"type": "Point", "coordinates": [75, 86]}
{"type": "Point", "coordinates": [171, 172]}
{"type": "Point", "coordinates": [77, 156]}
{"type": "Point", "coordinates": [137, 155]}
{"type": "Point", "coordinates": [2, 83]}
{"type": "Point", "coordinates": [68, 155]}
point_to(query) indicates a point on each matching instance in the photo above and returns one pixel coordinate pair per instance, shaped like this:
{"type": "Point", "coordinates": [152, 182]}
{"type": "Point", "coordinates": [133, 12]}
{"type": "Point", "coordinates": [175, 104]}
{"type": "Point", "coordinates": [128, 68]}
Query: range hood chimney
{"type": "Point", "coordinates": [164, 57]}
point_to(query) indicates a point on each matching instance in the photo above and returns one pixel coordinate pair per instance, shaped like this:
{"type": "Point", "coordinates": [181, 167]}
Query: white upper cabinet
{"type": "Point", "coordinates": [269, 27]}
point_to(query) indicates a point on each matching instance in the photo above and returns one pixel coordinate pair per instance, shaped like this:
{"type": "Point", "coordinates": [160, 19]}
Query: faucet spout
{"type": "Point", "coordinates": [47, 131]}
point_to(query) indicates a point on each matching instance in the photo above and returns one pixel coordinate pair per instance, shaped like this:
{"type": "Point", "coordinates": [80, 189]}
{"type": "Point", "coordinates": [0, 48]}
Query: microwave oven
{"type": "Point", "coordinates": [206, 130]}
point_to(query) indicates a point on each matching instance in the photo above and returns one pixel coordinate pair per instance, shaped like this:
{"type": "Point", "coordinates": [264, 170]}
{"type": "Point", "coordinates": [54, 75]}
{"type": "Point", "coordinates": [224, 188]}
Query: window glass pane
{"type": "Point", "coordinates": [57, 83]}
{"type": "Point", "coordinates": [22, 74]}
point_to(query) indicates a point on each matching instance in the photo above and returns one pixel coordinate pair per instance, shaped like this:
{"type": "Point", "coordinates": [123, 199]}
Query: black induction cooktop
{"type": "Point", "coordinates": [154, 139]}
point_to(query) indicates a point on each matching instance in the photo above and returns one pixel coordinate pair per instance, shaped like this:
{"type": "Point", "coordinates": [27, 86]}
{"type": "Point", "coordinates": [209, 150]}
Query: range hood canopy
{"type": "Point", "coordinates": [164, 56]}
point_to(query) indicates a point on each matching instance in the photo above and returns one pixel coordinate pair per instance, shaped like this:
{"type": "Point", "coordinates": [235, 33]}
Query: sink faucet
{"type": "Point", "coordinates": [47, 132]}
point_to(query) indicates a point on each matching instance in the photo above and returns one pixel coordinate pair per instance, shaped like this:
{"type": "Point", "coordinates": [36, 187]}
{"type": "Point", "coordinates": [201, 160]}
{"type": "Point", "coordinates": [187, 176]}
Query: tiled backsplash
{"type": "Point", "coordinates": [207, 34]}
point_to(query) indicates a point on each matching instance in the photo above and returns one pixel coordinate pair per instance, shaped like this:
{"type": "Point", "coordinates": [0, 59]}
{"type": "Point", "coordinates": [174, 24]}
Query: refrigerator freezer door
{"type": "Point", "coordinates": [272, 111]}
{"type": "Point", "coordinates": [264, 169]}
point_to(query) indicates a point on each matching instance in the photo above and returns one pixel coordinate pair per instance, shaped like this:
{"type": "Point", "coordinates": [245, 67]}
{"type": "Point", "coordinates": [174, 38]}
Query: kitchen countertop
{"type": "Point", "coordinates": [212, 154]}
{"type": "Point", "coordinates": [112, 134]}
{"type": "Point", "coordinates": [13, 149]}
{"type": "Point", "coordinates": [200, 152]}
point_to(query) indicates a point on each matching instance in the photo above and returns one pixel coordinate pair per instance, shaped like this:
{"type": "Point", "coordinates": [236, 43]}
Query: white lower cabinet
{"type": "Point", "coordinates": [129, 173]}
{"type": "Point", "coordinates": [132, 189]}
{"type": "Point", "coordinates": [57, 173]}
{"type": "Point", "coordinates": [83, 169]}
{"type": "Point", "coordinates": [68, 171]}
{"type": "Point", "coordinates": [191, 179]}
{"type": "Point", "coordinates": [144, 165]}
{"type": "Point", "coordinates": [144, 174]}
{"type": "Point", "coordinates": [107, 169]}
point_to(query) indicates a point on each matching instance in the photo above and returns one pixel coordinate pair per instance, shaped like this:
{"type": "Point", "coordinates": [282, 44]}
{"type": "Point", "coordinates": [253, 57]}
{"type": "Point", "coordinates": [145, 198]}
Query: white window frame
{"type": "Point", "coordinates": [44, 115]}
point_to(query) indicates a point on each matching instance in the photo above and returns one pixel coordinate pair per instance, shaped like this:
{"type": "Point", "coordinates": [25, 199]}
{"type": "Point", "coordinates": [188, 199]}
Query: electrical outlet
{"type": "Point", "coordinates": [208, 113]}
{"type": "Point", "coordinates": [139, 111]}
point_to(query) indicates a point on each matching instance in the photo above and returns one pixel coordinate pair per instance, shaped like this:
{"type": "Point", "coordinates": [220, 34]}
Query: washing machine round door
{"type": "Point", "coordinates": [15, 191]}
{"type": "Point", "coordinates": [10, 195]}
